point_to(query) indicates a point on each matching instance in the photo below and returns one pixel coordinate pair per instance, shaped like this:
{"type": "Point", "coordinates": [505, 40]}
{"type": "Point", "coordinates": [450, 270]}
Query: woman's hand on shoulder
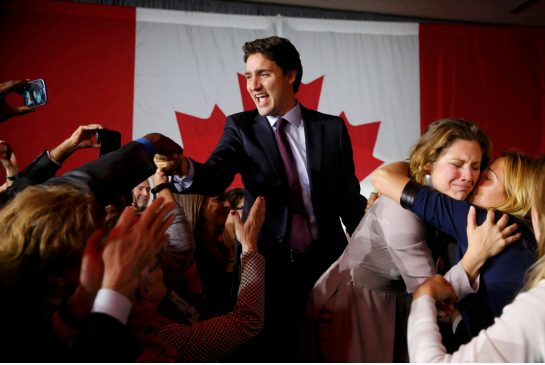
{"type": "Point", "coordinates": [486, 240]}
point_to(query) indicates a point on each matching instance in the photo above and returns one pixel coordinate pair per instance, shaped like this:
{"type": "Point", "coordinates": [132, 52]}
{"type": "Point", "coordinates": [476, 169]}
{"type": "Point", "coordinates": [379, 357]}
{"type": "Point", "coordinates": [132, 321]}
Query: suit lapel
{"type": "Point", "coordinates": [265, 136]}
{"type": "Point", "coordinates": [313, 140]}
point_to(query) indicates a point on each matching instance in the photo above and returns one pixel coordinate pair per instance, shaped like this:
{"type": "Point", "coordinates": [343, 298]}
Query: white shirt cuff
{"type": "Point", "coordinates": [113, 304]}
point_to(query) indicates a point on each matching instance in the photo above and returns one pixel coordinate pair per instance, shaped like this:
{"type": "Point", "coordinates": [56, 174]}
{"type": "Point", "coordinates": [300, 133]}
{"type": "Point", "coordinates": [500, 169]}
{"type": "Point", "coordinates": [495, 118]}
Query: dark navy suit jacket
{"type": "Point", "coordinates": [248, 147]}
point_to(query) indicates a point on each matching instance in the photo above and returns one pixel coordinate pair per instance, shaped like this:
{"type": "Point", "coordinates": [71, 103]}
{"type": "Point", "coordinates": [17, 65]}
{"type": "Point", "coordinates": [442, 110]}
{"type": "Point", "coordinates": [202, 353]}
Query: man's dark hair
{"type": "Point", "coordinates": [279, 50]}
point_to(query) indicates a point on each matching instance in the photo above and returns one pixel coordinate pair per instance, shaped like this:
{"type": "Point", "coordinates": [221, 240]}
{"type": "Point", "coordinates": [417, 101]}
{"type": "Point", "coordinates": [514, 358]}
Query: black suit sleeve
{"type": "Point", "coordinates": [105, 339]}
{"type": "Point", "coordinates": [38, 171]}
{"type": "Point", "coordinates": [113, 174]}
{"type": "Point", "coordinates": [217, 173]}
{"type": "Point", "coordinates": [352, 202]}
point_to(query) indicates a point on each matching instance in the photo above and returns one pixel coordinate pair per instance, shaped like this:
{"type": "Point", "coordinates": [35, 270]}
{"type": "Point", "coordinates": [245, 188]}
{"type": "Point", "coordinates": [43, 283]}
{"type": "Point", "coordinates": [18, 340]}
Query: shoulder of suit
{"type": "Point", "coordinates": [310, 115]}
{"type": "Point", "coordinates": [243, 119]}
{"type": "Point", "coordinates": [249, 114]}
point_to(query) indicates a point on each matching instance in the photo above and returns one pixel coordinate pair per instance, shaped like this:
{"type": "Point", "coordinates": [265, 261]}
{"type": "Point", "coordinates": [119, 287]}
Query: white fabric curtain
{"type": "Point", "coordinates": [188, 62]}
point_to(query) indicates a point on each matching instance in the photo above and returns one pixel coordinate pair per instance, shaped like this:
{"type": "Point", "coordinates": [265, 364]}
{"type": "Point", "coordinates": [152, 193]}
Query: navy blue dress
{"type": "Point", "coordinates": [502, 276]}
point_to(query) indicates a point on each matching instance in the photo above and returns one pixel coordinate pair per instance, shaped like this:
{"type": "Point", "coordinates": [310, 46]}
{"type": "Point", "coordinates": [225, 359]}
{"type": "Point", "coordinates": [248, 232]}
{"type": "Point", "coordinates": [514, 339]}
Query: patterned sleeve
{"type": "Point", "coordinates": [213, 339]}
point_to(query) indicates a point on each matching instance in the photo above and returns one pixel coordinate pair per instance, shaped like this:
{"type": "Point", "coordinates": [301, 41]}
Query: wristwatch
{"type": "Point", "coordinates": [160, 187]}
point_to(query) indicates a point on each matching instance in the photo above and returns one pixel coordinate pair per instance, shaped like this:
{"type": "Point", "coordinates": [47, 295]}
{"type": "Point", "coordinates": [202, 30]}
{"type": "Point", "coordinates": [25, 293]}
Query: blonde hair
{"type": "Point", "coordinates": [537, 192]}
{"type": "Point", "coordinates": [44, 229]}
{"type": "Point", "coordinates": [438, 136]}
{"type": "Point", "coordinates": [192, 206]}
{"type": "Point", "coordinates": [515, 180]}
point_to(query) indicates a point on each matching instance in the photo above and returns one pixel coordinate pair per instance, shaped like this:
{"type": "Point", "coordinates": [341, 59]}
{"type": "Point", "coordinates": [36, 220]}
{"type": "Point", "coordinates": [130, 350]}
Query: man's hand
{"type": "Point", "coordinates": [133, 245]}
{"type": "Point", "coordinates": [7, 110]}
{"type": "Point", "coordinates": [91, 273]}
{"type": "Point", "coordinates": [81, 138]}
{"type": "Point", "coordinates": [248, 232]}
{"type": "Point", "coordinates": [164, 145]}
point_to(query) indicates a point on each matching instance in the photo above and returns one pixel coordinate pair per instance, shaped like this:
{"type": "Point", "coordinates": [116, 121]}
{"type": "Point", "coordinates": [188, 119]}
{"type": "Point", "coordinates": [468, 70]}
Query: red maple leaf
{"type": "Point", "coordinates": [363, 138]}
{"type": "Point", "coordinates": [200, 136]}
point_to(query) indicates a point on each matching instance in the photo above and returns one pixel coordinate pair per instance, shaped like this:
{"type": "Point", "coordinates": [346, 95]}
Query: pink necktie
{"type": "Point", "coordinates": [300, 235]}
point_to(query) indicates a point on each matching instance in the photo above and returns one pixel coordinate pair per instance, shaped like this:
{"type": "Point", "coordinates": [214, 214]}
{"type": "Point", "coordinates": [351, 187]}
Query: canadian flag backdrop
{"type": "Point", "coordinates": [180, 73]}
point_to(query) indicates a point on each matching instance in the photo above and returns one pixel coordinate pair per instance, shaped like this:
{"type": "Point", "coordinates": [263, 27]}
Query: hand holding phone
{"type": "Point", "coordinates": [7, 110]}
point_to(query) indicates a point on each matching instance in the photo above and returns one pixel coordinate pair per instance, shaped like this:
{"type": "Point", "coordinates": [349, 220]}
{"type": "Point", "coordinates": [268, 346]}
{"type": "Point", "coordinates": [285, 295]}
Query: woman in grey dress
{"type": "Point", "coordinates": [358, 308]}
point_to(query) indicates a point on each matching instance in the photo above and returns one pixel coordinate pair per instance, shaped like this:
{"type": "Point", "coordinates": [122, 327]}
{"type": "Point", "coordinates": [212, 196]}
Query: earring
{"type": "Point", "coordinates": [427, 180]}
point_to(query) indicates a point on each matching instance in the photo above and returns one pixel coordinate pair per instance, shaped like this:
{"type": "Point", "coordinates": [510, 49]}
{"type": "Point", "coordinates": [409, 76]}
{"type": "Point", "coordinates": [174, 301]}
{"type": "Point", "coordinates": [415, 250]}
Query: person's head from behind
{"type": "Point", "coordinates": [141, 195]}
{"type": "Point", "coordinates": [44, 231]}
{"type": "Point", "coordinates": [202, 211]}
{"type": "Point", "coordinates": [273, 74]}
{"type": "Point", "coordinates": [536, 182]}
{"type": "Point", "coordinates": [504, 185]}
{"type": "Point", "coordinates": [235, 199]}
{"type": "Point", "coordinates": [453, 152]}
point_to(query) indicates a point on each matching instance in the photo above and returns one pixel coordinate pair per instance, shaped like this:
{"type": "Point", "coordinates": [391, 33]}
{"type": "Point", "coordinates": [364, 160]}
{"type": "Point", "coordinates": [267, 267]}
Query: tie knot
{"type": "Point", "coordinates": [281, 124]}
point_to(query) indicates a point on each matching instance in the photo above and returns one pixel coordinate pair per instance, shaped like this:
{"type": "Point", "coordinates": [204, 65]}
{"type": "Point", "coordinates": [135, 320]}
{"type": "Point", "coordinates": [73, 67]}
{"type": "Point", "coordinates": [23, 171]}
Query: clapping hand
{"type": "Point", "coordinates": [248, 231]}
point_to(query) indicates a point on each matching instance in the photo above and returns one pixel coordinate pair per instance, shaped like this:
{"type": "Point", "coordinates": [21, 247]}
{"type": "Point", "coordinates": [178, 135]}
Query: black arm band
{"type": "Point", "coordinates": [409, 192]}
{"type": "Point", "coordinates": [160, 187]}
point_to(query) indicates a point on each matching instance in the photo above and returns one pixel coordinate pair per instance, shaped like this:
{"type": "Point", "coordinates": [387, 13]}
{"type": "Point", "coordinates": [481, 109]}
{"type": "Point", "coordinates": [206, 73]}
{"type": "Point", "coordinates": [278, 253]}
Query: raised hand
{"type": "Point", "coordinates": [133, 245]}
{"type": "Point", "coordinates": [82, 137]}
{"type": "Point", "coordinates": [7, 110]}
{"type": "Point", "coordinates": [248, 231]}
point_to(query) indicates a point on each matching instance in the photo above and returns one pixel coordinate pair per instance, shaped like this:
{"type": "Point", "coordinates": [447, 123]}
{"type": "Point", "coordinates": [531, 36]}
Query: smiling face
{"type": "Point", "coordinates": [141, 195]}
{"type": "Point", "coordinates": [491, 189]}
{"type": "Point", "coordinates": [270, 88]}
{"type": "Point", "coordinates": [456, 171]}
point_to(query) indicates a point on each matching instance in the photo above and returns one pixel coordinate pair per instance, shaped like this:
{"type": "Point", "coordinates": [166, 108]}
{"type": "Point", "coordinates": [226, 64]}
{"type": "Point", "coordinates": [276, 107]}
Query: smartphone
{"type": "Point", "coordinates": [35, 93]}
{"type": "Point", "coordinates": [108, 140]}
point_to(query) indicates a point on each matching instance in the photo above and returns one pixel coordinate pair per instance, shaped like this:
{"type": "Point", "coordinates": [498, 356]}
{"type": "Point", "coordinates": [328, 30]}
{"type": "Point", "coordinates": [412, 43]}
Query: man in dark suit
{"type": "Point", "coordinates": [325, 186]}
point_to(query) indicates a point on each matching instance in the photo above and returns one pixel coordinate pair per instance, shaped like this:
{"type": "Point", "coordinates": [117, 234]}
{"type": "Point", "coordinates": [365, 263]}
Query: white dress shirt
{"type": "Point", "coordinates": [295, 131]}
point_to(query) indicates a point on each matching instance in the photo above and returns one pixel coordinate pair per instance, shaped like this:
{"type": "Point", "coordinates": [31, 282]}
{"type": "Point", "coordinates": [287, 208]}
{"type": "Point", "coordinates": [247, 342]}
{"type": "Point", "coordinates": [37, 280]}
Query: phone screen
{"type": "Point", "coordinates": [34, 93]}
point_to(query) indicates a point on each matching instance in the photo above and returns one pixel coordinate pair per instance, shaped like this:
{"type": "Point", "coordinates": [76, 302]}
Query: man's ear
{"type": "Point", "coordinates": [291, 74]}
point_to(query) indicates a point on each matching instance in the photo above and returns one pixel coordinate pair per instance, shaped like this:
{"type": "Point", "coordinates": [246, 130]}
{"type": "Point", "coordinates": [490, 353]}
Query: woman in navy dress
{"type": "Point", "coordinates": [502, 188]}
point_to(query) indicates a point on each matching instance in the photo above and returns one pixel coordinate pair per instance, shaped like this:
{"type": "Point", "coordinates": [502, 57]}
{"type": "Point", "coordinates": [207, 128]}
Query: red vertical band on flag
{"type": "Point", "coordinates": [491, 74]}
{"type": "Point", "coordinates": [85, 54]}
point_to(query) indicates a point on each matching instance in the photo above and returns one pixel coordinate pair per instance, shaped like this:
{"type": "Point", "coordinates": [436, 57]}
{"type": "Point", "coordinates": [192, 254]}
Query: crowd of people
{"type": "Point", "coordinates": [145, 255]}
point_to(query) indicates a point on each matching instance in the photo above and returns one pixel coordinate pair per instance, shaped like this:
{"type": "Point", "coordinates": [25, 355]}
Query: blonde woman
{"type": "Point", "coordinates": [502, 187]}
{"type": "Point", "coordinates": [518, 335]}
